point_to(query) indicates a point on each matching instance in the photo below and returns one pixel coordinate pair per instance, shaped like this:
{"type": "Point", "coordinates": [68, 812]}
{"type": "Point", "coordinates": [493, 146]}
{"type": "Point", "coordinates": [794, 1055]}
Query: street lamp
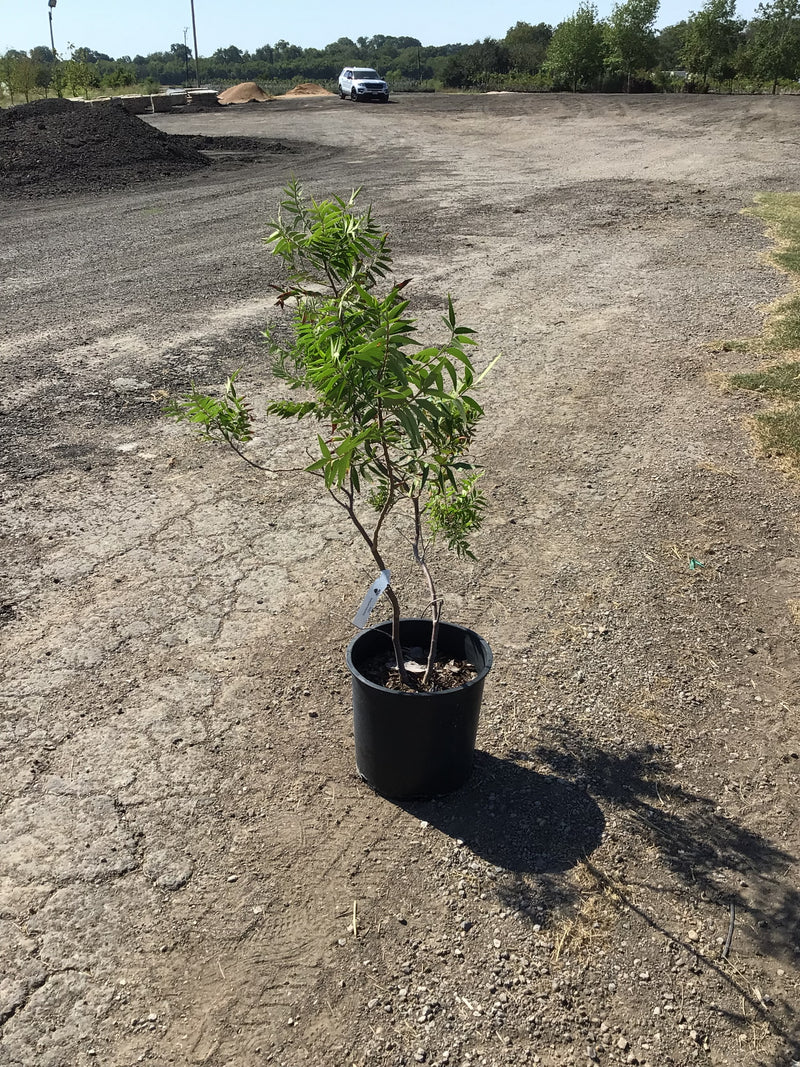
{"type": "Point", "coordinates": [196, 60]}
{"type": "Point", "coordinates": [186, 55]}
{"type": "Point", "coordinates": [51, 4]}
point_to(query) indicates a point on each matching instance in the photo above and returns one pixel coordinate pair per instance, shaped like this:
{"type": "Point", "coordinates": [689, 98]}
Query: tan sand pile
{"type": "Point", "coordinates": [308, 89]}
{"type": "Point", "coordinates": [243, 94]}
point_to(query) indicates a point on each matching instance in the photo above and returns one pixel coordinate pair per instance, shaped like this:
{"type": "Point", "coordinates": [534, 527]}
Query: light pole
{"type": "Point", "coordinates": [186, 54]}
{"type": "Point", "coordinates": [196, 60]}
{"type": "Point", "coordinates": [51, 4]}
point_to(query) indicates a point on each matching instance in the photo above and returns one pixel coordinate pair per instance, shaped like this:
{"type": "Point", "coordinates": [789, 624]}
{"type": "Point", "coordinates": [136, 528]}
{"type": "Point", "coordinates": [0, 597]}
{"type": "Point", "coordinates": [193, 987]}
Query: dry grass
{"type": "Point", "coordinates": [778, 430]}
{"type": "Point", "coordinates": [601, 900]}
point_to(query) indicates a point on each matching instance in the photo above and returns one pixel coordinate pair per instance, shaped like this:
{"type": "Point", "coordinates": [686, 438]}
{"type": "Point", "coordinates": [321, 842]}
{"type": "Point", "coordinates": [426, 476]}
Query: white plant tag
{"type": "Point", "coordinates": [371, 599]}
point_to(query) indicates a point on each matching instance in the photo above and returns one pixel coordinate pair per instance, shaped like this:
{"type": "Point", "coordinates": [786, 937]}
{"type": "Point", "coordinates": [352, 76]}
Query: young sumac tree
{"type": "Point", "coordinates": [393, 419]}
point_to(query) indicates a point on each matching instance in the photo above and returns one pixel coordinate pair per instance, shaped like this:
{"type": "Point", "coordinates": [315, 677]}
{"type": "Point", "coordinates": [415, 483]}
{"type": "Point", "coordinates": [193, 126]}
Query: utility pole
{"type": "Point", "coordinates": [196, 60]}
{"type": "Point", "coordinates": [186, 55]}
{"type": "Point", "coordinates": [51, 4]}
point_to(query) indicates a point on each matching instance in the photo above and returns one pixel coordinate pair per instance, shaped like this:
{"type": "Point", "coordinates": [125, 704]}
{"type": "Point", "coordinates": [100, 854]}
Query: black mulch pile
{"type": "Point", "coordinates": [228, 146]}
{"type": "Point", "coordinates": [58, 147]}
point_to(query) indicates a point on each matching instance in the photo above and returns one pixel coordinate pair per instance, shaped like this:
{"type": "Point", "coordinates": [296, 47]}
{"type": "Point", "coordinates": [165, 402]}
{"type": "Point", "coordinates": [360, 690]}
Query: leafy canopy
{"type": "Point", "coordinates": [576, 54]}
{"type": "Point", "coordinates": [397, 418]}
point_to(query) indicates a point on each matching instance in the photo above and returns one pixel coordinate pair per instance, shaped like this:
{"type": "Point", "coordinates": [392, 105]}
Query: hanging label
{"type": "Point", "coordinates": [371, 599]}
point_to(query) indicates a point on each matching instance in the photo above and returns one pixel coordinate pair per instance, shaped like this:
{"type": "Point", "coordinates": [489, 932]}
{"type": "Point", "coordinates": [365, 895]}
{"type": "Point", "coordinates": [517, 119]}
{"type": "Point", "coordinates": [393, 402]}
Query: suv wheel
{"type": "Point", "coordinates": [342, 93]}
{"type": "Point", "coordinates": [353, 95]}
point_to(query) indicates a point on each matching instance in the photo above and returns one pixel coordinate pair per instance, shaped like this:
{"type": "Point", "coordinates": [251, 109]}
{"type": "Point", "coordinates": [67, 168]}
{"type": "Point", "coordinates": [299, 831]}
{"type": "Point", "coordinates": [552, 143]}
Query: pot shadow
{"type": "Point", "coordinates": [517, 819]}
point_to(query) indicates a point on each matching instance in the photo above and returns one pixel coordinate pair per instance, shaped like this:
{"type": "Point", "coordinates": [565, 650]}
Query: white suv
{"type": "Point", "coordinates": [362, 83]}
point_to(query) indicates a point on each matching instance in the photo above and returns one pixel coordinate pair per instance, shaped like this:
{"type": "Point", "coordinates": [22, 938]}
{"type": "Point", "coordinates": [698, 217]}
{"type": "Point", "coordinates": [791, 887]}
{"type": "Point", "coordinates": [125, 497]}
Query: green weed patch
{"type": "Point", "coordinates": [779, 430]}
{"type": "Point", "coordinates": [779, 433]}
{"type": "Point", "coordinates": [782, 381]}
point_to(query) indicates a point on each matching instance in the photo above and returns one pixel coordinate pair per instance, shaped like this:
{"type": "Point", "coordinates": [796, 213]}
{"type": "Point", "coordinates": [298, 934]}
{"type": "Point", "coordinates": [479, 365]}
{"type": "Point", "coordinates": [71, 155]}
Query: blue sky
{"type": "Point", "coordinates": [128, 27]}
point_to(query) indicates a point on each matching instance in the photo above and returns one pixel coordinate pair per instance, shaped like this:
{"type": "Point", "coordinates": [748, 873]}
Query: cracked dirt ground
{"type": "Point", "coordinates": [190, 871]}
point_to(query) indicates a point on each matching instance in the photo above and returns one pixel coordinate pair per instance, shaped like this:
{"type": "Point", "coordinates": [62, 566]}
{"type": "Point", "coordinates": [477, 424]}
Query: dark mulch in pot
{"type": "Point", "coordinates": [446, 673]}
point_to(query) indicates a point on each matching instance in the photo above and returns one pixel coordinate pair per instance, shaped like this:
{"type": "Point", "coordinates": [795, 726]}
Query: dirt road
{"type": "Point", "coordinates": [190, 870]}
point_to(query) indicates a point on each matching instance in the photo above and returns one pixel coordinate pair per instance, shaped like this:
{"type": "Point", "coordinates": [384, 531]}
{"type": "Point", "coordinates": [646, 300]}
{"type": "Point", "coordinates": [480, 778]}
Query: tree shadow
{"type": "Point", "coordinates": [699, 845]}
{"type": "Point", "coordinates": [531, 828]}
{"type": "Point", "coordinates": [713, 856]}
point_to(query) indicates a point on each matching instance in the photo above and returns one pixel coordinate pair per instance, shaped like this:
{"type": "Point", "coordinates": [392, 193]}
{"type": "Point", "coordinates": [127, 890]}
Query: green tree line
{"type": "Point", "coordinates": [711, 49]}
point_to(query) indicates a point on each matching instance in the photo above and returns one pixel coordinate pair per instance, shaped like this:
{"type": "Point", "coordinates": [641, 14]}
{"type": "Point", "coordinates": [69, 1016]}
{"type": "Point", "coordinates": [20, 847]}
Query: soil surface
{"type": "Point", "coordinates": [190, 870]}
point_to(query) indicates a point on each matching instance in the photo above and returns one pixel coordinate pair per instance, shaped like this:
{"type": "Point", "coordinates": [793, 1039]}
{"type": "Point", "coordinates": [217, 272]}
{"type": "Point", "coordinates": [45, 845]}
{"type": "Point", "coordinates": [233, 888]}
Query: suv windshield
{"type": "Point", "coordinates": [365, 72]}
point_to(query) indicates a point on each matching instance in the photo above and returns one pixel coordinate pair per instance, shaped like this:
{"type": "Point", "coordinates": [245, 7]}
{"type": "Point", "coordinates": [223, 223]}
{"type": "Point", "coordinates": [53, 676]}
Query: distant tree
{"type": "Point", "coordinates": [469, 67]}
{"type": "Point", "coordinates": [631, 37]}
{"type": "Point", "coordinates": [774, 46]}
{"type": "Point", "coordinates": [43, 77]}
{"type": "Point", "coordinates": [343, 45]}
{"type": "Point", "coordinates": [284, 50]}
{"type": "Point", "coordinates": [226, 57]}
{"type": "Point", "coordinates": [576, 54]}
{"type": "Point", "coordinates": [670, 43]}
{"type": "Point", "coordinates": [713, 35]}
{"type": "Point", "coordinates": [41, 54]}
{"type": "Point", "coordinates": [9, 71]}
{"type": "Point", "coordinates": [88, 55]}
{"type": "Point", "coordinates": [79, 74]}
{"type": "Point", "coordinates": [119, 77]}
{"type": "Point", "coordinates": [527, 45]}
{"type": "Point", "coordinates": [26, 76]}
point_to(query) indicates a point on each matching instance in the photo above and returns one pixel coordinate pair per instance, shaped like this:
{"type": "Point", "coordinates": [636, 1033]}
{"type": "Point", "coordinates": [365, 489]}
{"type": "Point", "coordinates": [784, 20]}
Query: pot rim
{"type": "Point", "coordinates": [399, 693]}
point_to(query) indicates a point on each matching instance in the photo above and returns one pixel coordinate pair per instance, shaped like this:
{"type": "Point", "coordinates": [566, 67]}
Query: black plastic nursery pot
{"type": "Point", "coordinates": [416, 745]}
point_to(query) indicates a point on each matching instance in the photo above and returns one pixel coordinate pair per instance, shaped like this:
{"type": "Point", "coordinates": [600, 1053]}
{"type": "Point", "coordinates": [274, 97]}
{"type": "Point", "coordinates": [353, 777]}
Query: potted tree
{"type": "Point", "coordinates": [394, 421]}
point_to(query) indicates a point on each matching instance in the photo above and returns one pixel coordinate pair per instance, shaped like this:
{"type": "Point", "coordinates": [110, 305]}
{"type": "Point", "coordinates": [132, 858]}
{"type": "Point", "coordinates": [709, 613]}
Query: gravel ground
{"type": "Point", "coordinates": [191, 871]}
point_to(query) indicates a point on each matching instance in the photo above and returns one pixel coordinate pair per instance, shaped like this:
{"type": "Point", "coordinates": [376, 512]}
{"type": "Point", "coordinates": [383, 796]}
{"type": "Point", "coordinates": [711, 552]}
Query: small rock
{"type": "Point", "coordinates": [623, 1044]}
{"type": "Point", "coordinates": [693, 935]}
{"type": "Point", "coordinates": [129, 385]}
{"type": "Point", "coordinates": [166, 869]}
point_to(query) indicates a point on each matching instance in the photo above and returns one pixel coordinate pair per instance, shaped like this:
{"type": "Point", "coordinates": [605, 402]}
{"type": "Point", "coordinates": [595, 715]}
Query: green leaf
{"type": "Point", "coordinates": [326, 453]}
